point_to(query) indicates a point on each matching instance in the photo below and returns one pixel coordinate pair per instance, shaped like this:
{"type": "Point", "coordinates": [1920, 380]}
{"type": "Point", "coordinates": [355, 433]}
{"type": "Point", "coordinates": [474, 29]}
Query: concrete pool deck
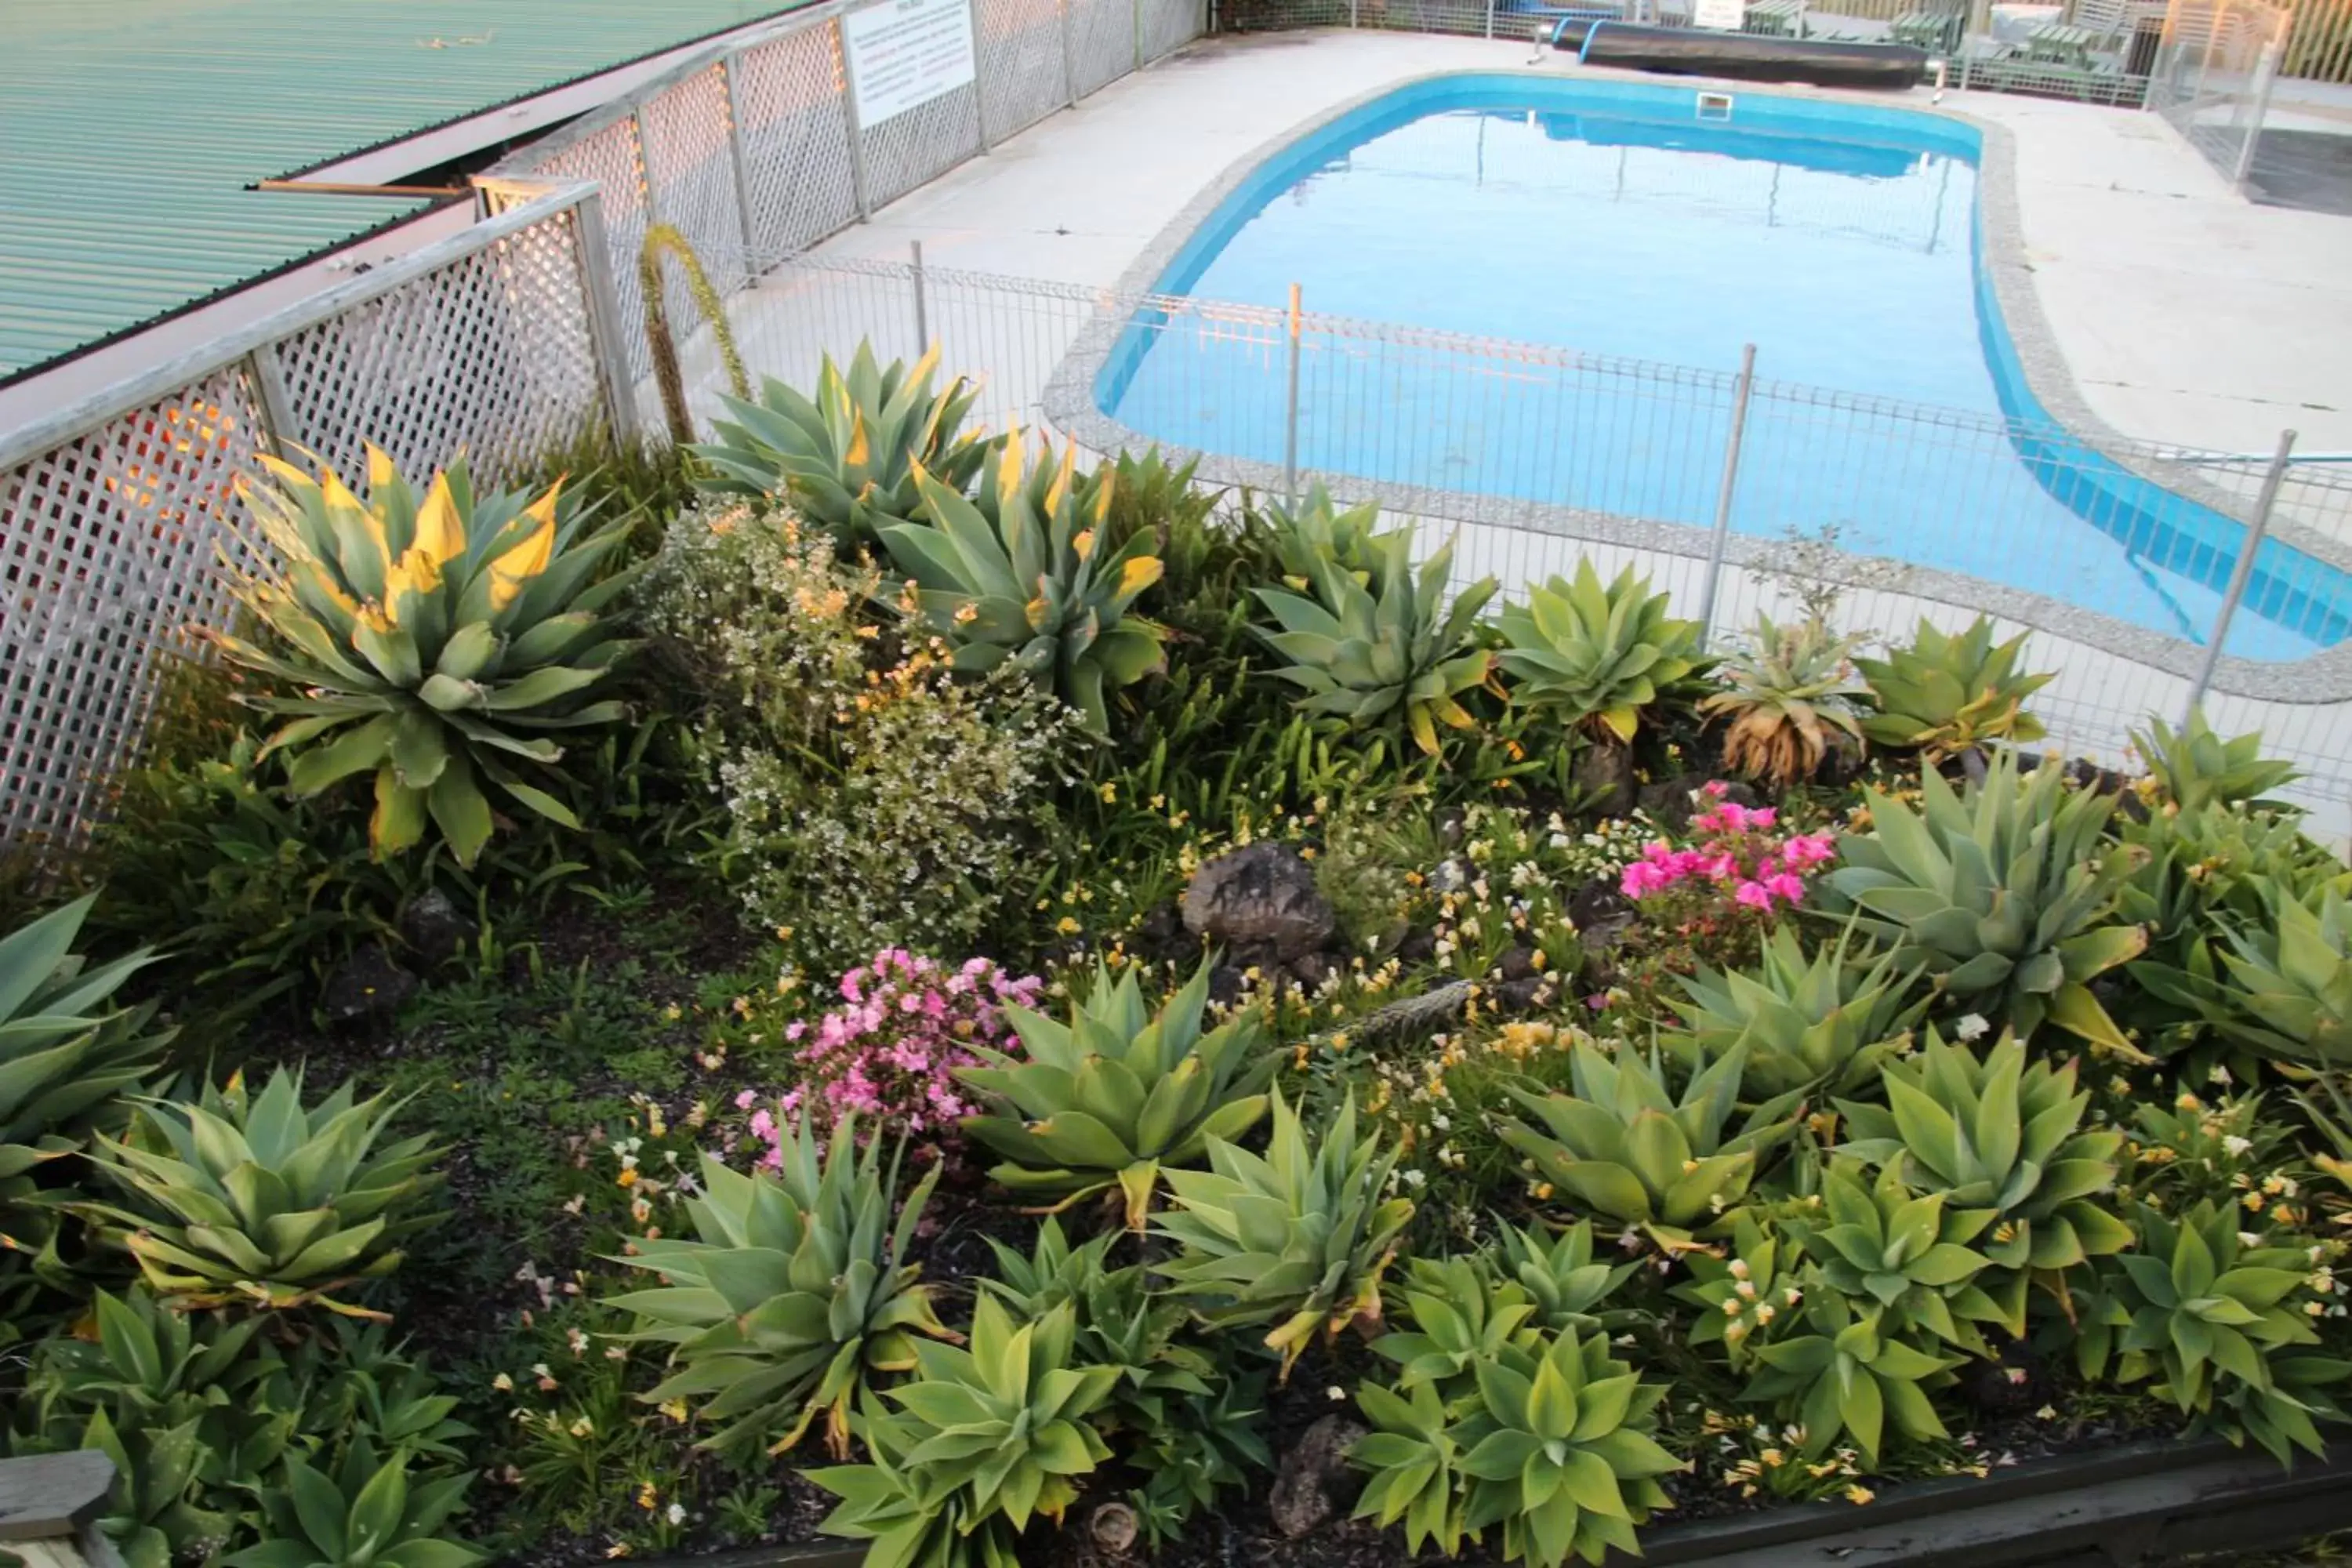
{"type": "Point", "coordinates": [2187, 314]}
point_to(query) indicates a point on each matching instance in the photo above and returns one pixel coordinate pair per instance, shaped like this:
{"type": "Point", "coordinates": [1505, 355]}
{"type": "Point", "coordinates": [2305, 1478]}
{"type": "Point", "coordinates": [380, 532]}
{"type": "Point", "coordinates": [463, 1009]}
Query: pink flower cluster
{"type": "Point", "coordinates": [889, 1052]}
{"type": "Point", "coordinates": [1735, 850]}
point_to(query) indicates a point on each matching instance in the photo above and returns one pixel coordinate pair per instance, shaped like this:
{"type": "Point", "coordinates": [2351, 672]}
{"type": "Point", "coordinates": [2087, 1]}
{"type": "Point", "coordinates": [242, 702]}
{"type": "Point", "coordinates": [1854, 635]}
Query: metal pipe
{"type": "Point", "coordinates": [2240, 575]}
{"type": "Point", "coordinates": [605, 319]}
{"type": "Point", "coordinates": [1290, 418]}
{"type": "Point", "coordinates": [1723, 496]}
{"type": "Point", "coordinates": [857, 132]}
{"type": "Point", "coordinates": [2266, 69]}
{"type": "Point", "coordinates": [266, 371]}
{"type": "Point", "coordinates": [922, 323]}
{"type": "Point", "coordinates": [744, 225]}
{"type": "Point", "coordinates": [979, 78]}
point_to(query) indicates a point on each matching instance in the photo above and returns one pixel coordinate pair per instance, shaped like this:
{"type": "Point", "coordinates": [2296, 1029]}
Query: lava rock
{"type": "Point", "coordinates": [366, 989]}
{"type": "Point", "coordinates": [433, 928]}
{"type": "Point", "coordinates": [1312, 1485]}
{"type": "Point", "coordinates": [2016, 1383]}
{"type": "Point", "coordinates": [1226, 984]}
{"type": "Point", "coordinates": [1518, 962]}
{"type": "Point", "coordinates": [1418, 945]}
{"type": "Point", "coordinates": [1311, 969]}
{"type": "Point", "coordinates": [1520, 996]}
{"type": "Point", "coordinates": [1260, 901]}
{"type": "Point", "coordinates": [1604, 778]}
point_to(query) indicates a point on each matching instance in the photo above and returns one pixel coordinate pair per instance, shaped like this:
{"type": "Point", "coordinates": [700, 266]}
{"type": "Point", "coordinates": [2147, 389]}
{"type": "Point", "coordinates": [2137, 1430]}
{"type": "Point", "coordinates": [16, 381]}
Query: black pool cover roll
{"type": "Point", "coordinates": [1745, 56]}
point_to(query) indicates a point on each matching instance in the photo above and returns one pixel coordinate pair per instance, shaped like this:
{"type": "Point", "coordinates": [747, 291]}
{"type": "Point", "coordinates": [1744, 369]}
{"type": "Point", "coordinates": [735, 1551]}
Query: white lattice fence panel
{"type": "Point", "coordinates": [790, 95]}
{"type": "Point", "coordinates": [1102, 42]}
{"type": "Point", "coordinates": [110, 553]}
{"type": "Point", "coordinates": [612, 158]}
{"type": "Point", "coordinates": [911, 149]}
{"type": "Point", "coordinates": [1167, 26]}
{"type": "Point", "coordinates": [690, 169]}
{"type": "Point", "coordinates": [1021, 74]}
{"type": "Point", "coordinates": [490, 355]}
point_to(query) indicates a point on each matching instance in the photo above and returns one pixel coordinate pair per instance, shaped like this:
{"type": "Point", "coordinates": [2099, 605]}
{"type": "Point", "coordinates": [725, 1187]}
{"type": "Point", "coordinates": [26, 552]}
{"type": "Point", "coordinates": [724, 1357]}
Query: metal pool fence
{"type": "Point", "coordinates": [1539, 454]}
{"type": "Point", "coordinates": [2213, 76]}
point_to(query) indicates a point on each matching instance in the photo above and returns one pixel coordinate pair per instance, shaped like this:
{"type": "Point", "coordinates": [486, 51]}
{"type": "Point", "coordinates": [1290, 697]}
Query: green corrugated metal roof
{"type": "Point", "coordinates": [129, 129]}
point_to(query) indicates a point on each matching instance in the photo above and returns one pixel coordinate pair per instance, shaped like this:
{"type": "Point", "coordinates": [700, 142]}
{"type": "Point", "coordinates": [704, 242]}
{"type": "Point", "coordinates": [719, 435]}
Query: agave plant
{"type": "Point", "coordinates": [1791, 700]}
{"type": "Point", "coordinates": [1016, 577]}
{"type": "Point", "coordinates": [2289, 988]}
{"type": "Point", "coordinates": [436, 644]}
{"type": "Point", "coordinates": [1559, 1276]}
{"type": "Point", "coordinates": [1120, 1094]}
{"type": "Point", "coordinates": [1596, 655]}
{"type": "Point", "coordinates": [1635, 1155]}
{"type": "Point", "coordinates": [1807, 1022]}
{"type": "Point", "coordinates": [2005, 895]}
{"type": "Point", "coordinates": [2206, 1315]}
{"type": "Point", "coordinates": [1298, 1235]}
{"type": "Point", "coordinates": [67, 1058]}
{"type": "Point", "coordinates": [1457, 1318]}
{"type": "Point", "coordinates": [1552, 1443]}
{"type": "Point", "coordinates": [1903, 1252]}
{"type": "Point", "coordinates": [255, 1200]}
{"type": "Point", "coordinates": [793, 1290]}
{"type": "Point", "coordinates": [2206, 872]}
{"type": "Point", "coordinates": [365, 1514]}
{"type": "Point", "coordinates": [1998, 1136]}
{"type": "Point", "coordinates": [2195, 768]}
{"type": "Point", "coordinates": [1851, 1374]}
{"type": "Point", "coordinates": [983, 1440]}
{"type": "Point", "coordinates": [1320, 531]}
{"type": "Point", "coordinates": [1945, 694]}
{"type": "Point", "coordinates": [1381, 644]}
{"type": "Point", "coordinates": [846, 458]}
{"type": "Point", "coordinates": [1741, 1296]}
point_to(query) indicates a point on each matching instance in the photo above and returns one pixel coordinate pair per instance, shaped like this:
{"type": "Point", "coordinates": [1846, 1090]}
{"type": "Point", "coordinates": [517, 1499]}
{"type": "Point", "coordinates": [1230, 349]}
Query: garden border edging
{"type": "Point", "coordinates": [2140, 1502]}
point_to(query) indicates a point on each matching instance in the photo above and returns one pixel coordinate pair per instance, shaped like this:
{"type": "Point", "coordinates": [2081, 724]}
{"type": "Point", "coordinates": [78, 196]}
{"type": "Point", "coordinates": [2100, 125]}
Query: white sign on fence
{"type": "Point", "coordinates": [907, 53]}
{"type": "Point", "coordinates": [1726, 15]}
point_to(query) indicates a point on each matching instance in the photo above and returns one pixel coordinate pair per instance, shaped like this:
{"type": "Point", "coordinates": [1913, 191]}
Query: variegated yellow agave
{"type": "Point", "coordinates": [1016, 576]}
{"type": "Point", "coordinates": [435, 641]}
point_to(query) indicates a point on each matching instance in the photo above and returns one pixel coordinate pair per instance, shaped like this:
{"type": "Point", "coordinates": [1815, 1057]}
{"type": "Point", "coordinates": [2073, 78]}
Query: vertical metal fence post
{"type": "Point", "coordinates": [1723, 497]}
{"type": "Point", "coordinates": [1490, 19]}
{"type": "Point", "coordinates": [745, 224]}
{"type": "Point", "coordinates": [605, 319]}
{"type": "Point", "coordinates": [2240, 573]}
{"type": "Point", "coordinates": [923, 319]}
{"type": "Point", "coordinates": [645, 165]}
{"type": "Point", "coordinates": [2266, 67]}
{"type": "Point", "coordinates": [857, 132]}
{"type": "Point", "coordinates": [1069, 61]}
{"type": "Point", "coordinates": [979, 78]}
{"type": "Point", "coordinates": [1290, 415]}
{"type": "Point", "coordinates": [267, 373]}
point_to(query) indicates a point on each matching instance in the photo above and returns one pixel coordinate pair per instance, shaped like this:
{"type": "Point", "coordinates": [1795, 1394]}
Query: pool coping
{"type": "Point", "coordinates": [2323, 677]}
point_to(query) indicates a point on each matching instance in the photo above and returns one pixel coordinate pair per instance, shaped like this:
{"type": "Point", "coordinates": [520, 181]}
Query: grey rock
{"type": "Point", "coordinates": [366, 988]}
{"type": "Point", "coordinates": [433, 928]}
{"type": "Point", "coordinates": [1312, 1485]}
{"type": "Point", "coordinates": [1450, 877]}
{"type": "Point", "coordinates": [1418, 945]}
{"type": "Point", "coordinates": [1668, 803]}
{"type": "Point", "coordinates": [1604, 778]}
{"type": "Point", "coordinates": [1311, 969]}
{"type": "Point", "coordinates": [1520, 996]}
{"type": "Point", "coordinates": [1260, 904]}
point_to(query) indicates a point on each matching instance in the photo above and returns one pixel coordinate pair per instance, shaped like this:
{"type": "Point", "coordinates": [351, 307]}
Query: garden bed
{"type": "Point", "coordinates": [1504, 1079]}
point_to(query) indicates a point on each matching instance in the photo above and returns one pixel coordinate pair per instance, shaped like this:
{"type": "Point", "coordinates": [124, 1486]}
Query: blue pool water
{"type": "Point", "coordinates": [1609, 218]}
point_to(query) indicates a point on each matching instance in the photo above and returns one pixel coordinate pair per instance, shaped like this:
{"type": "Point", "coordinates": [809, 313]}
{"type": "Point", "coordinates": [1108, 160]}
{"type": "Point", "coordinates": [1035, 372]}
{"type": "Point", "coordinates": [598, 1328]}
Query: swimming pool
{"type": "Point", "coordinates": [1633, 220]}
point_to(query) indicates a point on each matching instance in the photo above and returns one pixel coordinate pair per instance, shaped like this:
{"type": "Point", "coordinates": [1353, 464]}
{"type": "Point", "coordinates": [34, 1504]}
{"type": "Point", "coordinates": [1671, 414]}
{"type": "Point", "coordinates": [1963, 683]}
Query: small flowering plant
{"type": "Point", "coordinates": [1742, 1295]}
{"type": "Point", "coordinates": [1736, 852]}
{"type": "Point", "coordinates": [889, 1051]}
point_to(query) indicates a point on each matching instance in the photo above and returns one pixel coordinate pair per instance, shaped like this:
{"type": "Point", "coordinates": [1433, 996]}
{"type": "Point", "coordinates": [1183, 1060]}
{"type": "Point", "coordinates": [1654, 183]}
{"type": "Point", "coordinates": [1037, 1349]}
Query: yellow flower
{"type": "Point", "coordinates": [1858, 1494]}
{"type": "Point", "coordinates": [1067, 926]}
{"type": "Point", "coordinates": [1110, 795]}
{"type": "Point", "coordinates": [625, 1179]}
